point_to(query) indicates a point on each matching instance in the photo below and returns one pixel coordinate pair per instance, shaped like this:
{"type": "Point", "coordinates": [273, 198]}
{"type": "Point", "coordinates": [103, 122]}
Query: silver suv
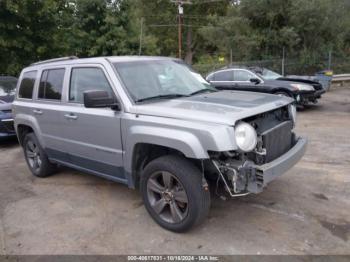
{"type": "Point", "coordinates": [152, 123]}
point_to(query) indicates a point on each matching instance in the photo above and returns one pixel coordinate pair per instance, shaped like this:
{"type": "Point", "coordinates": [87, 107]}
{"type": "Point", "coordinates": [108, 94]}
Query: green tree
{"type": "Point", "coordinates": [28, 29]}
{"type": "Point", "coordinates": [32, 30]}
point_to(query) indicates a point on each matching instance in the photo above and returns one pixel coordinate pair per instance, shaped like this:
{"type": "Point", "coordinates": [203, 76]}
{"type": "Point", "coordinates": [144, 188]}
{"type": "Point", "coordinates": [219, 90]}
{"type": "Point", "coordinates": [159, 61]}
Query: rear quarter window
{"type": "Point", "coordinates": [27, 85]}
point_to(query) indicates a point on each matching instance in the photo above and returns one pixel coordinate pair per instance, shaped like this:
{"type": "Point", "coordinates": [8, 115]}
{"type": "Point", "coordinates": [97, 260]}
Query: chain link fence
{"type": "Point", "coordinates": [290, 66]}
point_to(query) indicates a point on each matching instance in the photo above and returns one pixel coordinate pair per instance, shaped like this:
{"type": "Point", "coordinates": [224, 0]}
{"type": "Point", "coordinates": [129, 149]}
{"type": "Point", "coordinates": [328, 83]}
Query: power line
{"type": "Point", "coordinates": [198, 2]}
{"type": "Point", "coordinates": [181, 2]}
{"type": "Point", "coordinates": [209, 1]}
{"type": "Point", "coordinates": [173, 25]}
{"type": "Point", "coordinates": [180, 8]}
{"type": "Point", "coordinates": [180, 17]}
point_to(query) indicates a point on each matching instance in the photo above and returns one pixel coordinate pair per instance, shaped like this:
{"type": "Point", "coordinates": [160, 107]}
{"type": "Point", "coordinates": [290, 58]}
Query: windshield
{"type": "Point", "coordinates": [7, 86]}
{"type": "Point", "coordinates": [194, 72]}
{"type": "Point", "coordinates": [159, 78]}
{"type": "Point", "coordinates": [269, 75]}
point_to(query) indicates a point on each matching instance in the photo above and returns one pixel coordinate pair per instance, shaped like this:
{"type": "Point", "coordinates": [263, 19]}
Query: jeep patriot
{"type": "Point", "coordinates": [153, 124]}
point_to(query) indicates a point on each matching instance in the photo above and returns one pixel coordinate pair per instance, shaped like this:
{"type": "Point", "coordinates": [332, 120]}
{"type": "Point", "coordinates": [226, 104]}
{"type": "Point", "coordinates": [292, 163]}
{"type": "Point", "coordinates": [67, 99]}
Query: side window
{"type": "Point", "coordinates": [85, 79]}
{"type": "Point", "coordinates": [242, 76]}
{"type": "Point", "coordinates": [27, 85]}
{"type": "Point", "coordinates": [51, 84]}
{"type": "Point", "coordinates": [224, 76]}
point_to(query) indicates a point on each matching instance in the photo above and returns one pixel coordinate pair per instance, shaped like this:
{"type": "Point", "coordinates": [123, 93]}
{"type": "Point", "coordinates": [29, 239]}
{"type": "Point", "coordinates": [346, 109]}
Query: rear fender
{"type": "Point", "coordinates": [30, 121]}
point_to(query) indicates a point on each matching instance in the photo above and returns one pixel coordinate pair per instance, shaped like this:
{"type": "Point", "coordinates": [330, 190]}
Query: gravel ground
{"type": "Point", "coordinates": [306, 211]}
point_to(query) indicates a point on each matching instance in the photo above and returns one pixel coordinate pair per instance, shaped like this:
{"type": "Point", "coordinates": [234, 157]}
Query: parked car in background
{"type": "Point", "coordinates": [309, 80]}
{"type": "Point", "coordinates": [323, 77]}
{"type": "Point", "coordinates": [7, 94]}
{"type": "Point", "coordinates": [150, 123]}
{"type": "Point", "coordinates": [265, 81]}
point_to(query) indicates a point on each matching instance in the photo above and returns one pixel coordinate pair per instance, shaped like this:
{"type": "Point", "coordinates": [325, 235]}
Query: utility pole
{"type": "Point", "coordinates": [329, 59]}
{"type": "Point", "coordinates": [283, 60]}
{"type": "Point", "coordinates": [180, 9]}
{"type": "Point", "coordinates": [141, 36]}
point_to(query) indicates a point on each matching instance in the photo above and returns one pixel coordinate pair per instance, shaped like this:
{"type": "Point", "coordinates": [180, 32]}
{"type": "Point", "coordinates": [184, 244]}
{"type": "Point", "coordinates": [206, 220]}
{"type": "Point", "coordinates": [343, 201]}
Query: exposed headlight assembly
{"type": "Point", "coordinates": [246, 138]}
{"type": "Point", "coordinates": [303, 87]}
{"type": "Point", "coordinates": [293, 112]}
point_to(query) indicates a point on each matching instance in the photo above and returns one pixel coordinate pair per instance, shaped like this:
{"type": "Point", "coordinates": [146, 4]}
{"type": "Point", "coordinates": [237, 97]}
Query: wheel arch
{"type": "Point", "coordinates": [144, 153]}
{"type": "Point", "coordinates": [284, 90]}
{"type": "Point", "coordinates": [22, 131]}
{"type": "Point", "coordinates": [147, 143]}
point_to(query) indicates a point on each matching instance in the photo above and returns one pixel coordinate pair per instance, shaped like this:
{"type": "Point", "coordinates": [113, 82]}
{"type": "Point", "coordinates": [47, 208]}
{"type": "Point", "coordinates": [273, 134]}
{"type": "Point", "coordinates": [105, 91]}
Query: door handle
{"type": "Point", "coordinates": [37, 112]}
{"type": "Point", "coordinates": [71, 116]}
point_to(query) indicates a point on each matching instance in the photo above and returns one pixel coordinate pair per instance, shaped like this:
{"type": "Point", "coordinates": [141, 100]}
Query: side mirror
{"type": "Point", "coordinates": [255, 80]}
{"type": "Point", "coordinates": [99, 99]}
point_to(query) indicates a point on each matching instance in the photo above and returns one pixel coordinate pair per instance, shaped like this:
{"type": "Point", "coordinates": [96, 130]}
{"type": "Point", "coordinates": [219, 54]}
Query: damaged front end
{"type": "Point", "coordinates": [277, 150]}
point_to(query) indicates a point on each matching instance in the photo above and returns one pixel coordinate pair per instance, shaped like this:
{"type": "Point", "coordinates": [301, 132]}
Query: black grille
{"type": "Point", "coordinates": [277, 140]}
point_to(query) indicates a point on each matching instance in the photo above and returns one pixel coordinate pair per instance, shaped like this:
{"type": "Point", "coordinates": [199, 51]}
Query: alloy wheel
{"type": "Point", "coordinates": [167, 197]}
{"type": "Point", "coordinates": [33, 155]}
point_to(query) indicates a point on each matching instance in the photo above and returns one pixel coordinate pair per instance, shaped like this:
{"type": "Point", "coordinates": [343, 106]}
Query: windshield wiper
{"type": "Point", "coordinates": [168, 96]}
{"type": "Point", "coordinates": [203, 91]}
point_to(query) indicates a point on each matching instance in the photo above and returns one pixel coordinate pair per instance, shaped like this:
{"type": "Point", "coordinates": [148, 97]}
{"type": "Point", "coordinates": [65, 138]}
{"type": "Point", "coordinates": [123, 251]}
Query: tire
{"type": "Point", "coordinates": [185, 203]}
{"type": "Point", "coordinates": [36, 158]}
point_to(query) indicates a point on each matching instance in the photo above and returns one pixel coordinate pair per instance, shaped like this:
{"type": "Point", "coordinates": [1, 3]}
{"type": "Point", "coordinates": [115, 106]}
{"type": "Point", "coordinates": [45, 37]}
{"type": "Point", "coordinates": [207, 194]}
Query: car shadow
{"type": "Point", "coordinates": [8, 142]}
{"type": "Point", "coordinates": [309, 108]}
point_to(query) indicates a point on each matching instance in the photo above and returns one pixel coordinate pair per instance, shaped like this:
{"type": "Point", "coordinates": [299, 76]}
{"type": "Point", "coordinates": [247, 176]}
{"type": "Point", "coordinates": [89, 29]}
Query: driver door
{"type": "Point", "coordinates": [223, 80]}
{"type": "Point", "coordinates": [242, 79]}
{"type": "Point", "coordinates": [91, 136]}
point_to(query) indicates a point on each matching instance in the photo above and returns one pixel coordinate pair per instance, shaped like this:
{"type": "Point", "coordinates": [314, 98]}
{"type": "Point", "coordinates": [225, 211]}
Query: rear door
{"type": "Point", "coordinates": [91, 137]}
{"type": "Point", "coordinates": [48, 103]}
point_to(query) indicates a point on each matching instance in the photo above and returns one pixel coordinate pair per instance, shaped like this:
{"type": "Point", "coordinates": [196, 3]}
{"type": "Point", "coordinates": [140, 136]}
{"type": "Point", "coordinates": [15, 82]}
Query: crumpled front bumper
{"type": "Point", "coordinates": [270, 171]}
{"type": "Point", "coordinates": [252, 178]}
{"type": "Point", "coordinates": [305, 98]}
{"type": "Point", "coordinates": [320, 92]}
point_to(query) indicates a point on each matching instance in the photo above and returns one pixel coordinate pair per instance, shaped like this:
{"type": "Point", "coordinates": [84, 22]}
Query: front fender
{"type": "Point", "coordinates": [183, 141]}
{"type": "Point", "coordinates": [193, 139]}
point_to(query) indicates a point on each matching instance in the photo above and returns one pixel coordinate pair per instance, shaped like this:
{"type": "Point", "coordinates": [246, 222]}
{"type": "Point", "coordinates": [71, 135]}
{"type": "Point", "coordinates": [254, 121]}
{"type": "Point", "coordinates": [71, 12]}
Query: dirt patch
{"type": "Point", "coordinates": [137, 204]}
{"type": "Point", "coordinates": [341, 231]}
{"type": "Point", "coordinates": [17, 193]}
{"type": "Point", "coordinates": [320, 196]}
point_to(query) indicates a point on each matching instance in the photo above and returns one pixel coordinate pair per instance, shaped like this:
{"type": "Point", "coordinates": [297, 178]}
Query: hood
{"type": "Point", "coordinates": [279, 82]}
{"type": "Point", "coordinates": [286, 83]}
{"type": "Point", "coordinates": [7, 99]}
{"type": "Point", "coordinates": [5, 106]}
{"type": "Point", "coordinates": [301, 79]}
{"type": "Point", "coordinates": [224, 107]}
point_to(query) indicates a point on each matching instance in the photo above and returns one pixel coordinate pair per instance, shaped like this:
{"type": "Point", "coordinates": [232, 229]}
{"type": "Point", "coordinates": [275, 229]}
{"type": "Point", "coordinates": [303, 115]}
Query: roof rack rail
{"type": "Point", "coordinates": [55, 60]}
